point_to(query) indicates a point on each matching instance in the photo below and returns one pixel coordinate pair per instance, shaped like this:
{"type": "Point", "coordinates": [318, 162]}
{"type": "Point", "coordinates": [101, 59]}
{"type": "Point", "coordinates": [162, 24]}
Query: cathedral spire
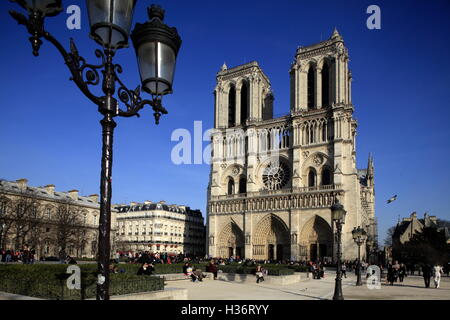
{"type": "Point", "coordinates": [224, 66]}
{"type": "Point", "coordinates": [335, 34]}
{"type": "Point", "coordinates": [370, 172]}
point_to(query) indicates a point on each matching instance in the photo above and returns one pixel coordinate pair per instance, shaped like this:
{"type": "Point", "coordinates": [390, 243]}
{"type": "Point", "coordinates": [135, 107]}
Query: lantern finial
{"type": "Point", "coordinates": [155, 11]}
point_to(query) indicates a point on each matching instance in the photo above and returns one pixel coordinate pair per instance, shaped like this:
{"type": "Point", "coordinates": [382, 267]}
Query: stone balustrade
{"type": "Point", "coordinates": [284, 199]}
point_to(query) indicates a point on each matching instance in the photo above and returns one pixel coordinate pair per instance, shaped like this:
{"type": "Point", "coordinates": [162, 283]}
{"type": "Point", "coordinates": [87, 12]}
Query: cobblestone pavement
{"type": "Point", "coordinates": [310, 289]}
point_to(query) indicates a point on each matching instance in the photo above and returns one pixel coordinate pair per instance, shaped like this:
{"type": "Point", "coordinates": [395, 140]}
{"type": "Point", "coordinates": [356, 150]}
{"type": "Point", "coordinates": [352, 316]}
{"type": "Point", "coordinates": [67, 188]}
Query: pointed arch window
{"type": "Point", "coordinates": [325, 84]}
{"type": "Point", "coordinates": [230, 186]}
{"type": "Point", "coordinates": [312, 178]}
{"type": "Point", "coordinates": [242, 185]}
{"type": "Point", "coordinates": [326, 177]}
{"type": "Point", "coordinates": [244, 102]}
{"type": "Point", "coordinates": [311, 88]}
{"type": "Point", "coordinates": [232, 106]}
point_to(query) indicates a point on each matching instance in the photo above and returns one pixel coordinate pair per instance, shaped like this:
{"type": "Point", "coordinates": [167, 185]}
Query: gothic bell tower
{"type": "Point", "coordinates": [242, 94]}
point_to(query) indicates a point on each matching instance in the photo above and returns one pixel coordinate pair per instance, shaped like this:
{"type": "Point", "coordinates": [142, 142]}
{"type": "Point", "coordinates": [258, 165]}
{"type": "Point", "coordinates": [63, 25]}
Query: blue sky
{"type": "Point", "coordinates": [50, 133]}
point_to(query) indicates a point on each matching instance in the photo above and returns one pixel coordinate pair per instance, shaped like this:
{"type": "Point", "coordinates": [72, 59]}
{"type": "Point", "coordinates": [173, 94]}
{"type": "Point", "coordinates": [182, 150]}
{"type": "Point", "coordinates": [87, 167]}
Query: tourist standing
{"type": "Point", "coordinates": [426, 272]}
{"type": "Point", "coordinates": [212, 267]}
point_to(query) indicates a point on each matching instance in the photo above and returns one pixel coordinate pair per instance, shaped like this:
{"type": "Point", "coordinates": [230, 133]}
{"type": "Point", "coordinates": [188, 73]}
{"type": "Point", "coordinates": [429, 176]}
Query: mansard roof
{"type": "Point", "coordinates": [15, 188]}
{"type": "Point", "coordinates": [157, 206]}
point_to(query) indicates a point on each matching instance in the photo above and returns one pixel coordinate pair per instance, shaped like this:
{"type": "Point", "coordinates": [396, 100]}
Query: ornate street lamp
{"type": "Point", "coordinates": [110, 22]}
{"type": "Point", "coordinates": [338, 216]}
{"type": "Point", "coordinates": [359, 236]}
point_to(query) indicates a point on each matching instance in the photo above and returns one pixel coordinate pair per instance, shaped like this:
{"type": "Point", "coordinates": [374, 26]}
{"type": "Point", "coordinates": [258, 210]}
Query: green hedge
{"type": "Point", "coordinates": [299, 268]}
{"type": "Point", "coordinates": [49, 282]}
{"type": "Point", "coordinates": [160, 268]}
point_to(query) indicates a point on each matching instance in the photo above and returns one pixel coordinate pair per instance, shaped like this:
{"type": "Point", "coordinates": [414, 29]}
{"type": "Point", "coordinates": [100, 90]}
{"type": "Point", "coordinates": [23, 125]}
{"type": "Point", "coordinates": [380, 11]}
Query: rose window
{"type": "Point", "coordinates": [276, 175]}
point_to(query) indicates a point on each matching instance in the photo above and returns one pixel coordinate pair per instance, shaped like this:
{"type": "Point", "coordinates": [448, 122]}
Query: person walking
{"type": "Point", "coordinates": [426, 273]}
{"type": "Point", "coordinates": [437, 272]}
{"type": "Point", "coordinates": [402, 272]}
{"type": "Point", "coordinates": [344, 270]}
{"type": "Point", "coordinates": [390, 275]}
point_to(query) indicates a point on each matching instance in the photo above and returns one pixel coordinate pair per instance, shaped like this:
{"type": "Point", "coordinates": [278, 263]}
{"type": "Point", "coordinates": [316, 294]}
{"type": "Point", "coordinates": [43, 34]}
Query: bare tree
{"type": "Point", "coordinates": [390, 233]}
{"type": "Point", "coordinates": [67, 221]}
{"type": "Point", "coordinates": [20, 216]}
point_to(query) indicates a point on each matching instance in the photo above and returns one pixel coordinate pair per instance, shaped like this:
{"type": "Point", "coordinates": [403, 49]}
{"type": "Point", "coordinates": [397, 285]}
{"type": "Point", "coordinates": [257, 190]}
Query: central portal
{"type": "Point", "coordinates": [271, 252]}
{"type": "Point", "coordinates": [271, 240]}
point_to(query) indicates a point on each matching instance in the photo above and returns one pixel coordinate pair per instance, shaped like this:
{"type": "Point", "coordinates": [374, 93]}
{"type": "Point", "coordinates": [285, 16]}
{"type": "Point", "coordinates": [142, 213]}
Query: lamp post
{"type": "Point", "coordinates": [359, 236]}
{"type": "Point", "coordinates": [110, 23]}
{"type": "Point", "coordinates": [338, 216]}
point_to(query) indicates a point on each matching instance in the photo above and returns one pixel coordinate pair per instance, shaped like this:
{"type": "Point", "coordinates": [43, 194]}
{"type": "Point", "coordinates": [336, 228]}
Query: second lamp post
{"type": "Point", "coordinates": [338, 216]}
{"type": "Point", "coordinates": [359, 236]}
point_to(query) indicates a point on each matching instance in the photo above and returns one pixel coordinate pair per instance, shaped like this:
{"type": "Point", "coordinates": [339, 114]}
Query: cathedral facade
{"type": "Point", "coordinates": [273, 180]}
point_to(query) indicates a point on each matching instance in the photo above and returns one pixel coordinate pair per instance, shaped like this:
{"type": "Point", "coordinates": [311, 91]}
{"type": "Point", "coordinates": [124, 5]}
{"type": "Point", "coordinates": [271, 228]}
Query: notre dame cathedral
{"type": "Point", "coordinates": [273, 180]}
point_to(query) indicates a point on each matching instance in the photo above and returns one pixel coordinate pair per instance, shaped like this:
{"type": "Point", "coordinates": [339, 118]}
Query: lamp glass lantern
{"type": "Point", "coordinates": [338, 213]}
{"type": "Point", "coordinates": [156, 46]}
{"type": "Point", "coordinates": [110, 21]}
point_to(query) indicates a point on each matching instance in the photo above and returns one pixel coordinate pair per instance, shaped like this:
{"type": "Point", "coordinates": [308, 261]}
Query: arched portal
{"type": "Point", "coordinates": [230, 241]}
{"type": "Point", "coordinates": [316, 239]}
{"type": "Point", "coordinates": [271, 239]}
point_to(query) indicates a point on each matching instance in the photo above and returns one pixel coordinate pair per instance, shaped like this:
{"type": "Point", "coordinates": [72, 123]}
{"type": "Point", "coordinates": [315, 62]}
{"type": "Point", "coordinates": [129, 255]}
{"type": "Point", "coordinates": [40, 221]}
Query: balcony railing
{"type": "Point", "coordinates": [286, 191]}
{"type": "Point", "coordinates": [295, 198]}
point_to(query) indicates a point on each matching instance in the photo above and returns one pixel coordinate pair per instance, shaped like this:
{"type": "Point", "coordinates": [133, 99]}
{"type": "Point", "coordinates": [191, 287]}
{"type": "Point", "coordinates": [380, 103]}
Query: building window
{"type": "Point", "coordinates": [326, 177]}
{"type": "Point", "coordinates": [243, 185]}
{"type": "Point", "coordinates": [230, 186]}
{"type": "Point", "coordinates": [2, 207]}
{"type": "Point", "coordinates": [311, 88]}
{"type": "Point", "coordinates": [311, 177]}
{"type": "Point", "coordinates": [244, 102]}
{"type": "Point", "coordinates": [325, 84]}
{"type": "Point", "coordinates": [232, 106]}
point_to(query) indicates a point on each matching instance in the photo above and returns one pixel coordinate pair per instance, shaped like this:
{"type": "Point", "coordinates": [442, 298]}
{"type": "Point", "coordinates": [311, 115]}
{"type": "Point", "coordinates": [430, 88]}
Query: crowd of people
{"type": "Point", "coordinates": [26, 255]}
{"type": "Point", "coordinates": [396, 272]}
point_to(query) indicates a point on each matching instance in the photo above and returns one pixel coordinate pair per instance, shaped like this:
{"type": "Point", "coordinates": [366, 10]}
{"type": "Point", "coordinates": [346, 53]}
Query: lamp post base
{"type": "Point", "coordinates": [338, 290]}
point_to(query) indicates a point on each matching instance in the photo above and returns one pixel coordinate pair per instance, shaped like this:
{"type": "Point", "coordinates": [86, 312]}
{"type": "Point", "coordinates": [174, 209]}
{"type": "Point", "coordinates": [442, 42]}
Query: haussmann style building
{"type": "Point", "coordinates": [273, 180]}
{"type": "Point", "coordinates": [48, 220]}
{"type": "Point", "coordinates": [160, 228]}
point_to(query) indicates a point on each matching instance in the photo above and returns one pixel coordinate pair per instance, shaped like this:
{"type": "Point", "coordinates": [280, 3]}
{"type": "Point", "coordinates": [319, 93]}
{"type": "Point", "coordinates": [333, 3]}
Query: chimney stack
{"type": "Point", "coordinates": [94, 197]}
{"type": "Point", "coordinates": [50, 188]}
{"type": "Point", "coordinates": [22, 183]}
{"type": "Point", "coordinates": [73, 194]}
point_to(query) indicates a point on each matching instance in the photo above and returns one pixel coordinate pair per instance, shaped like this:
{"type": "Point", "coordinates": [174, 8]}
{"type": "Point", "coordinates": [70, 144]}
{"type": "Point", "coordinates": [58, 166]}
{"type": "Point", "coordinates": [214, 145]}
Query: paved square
{"type": "Point", "coordinates": [310, 289]}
